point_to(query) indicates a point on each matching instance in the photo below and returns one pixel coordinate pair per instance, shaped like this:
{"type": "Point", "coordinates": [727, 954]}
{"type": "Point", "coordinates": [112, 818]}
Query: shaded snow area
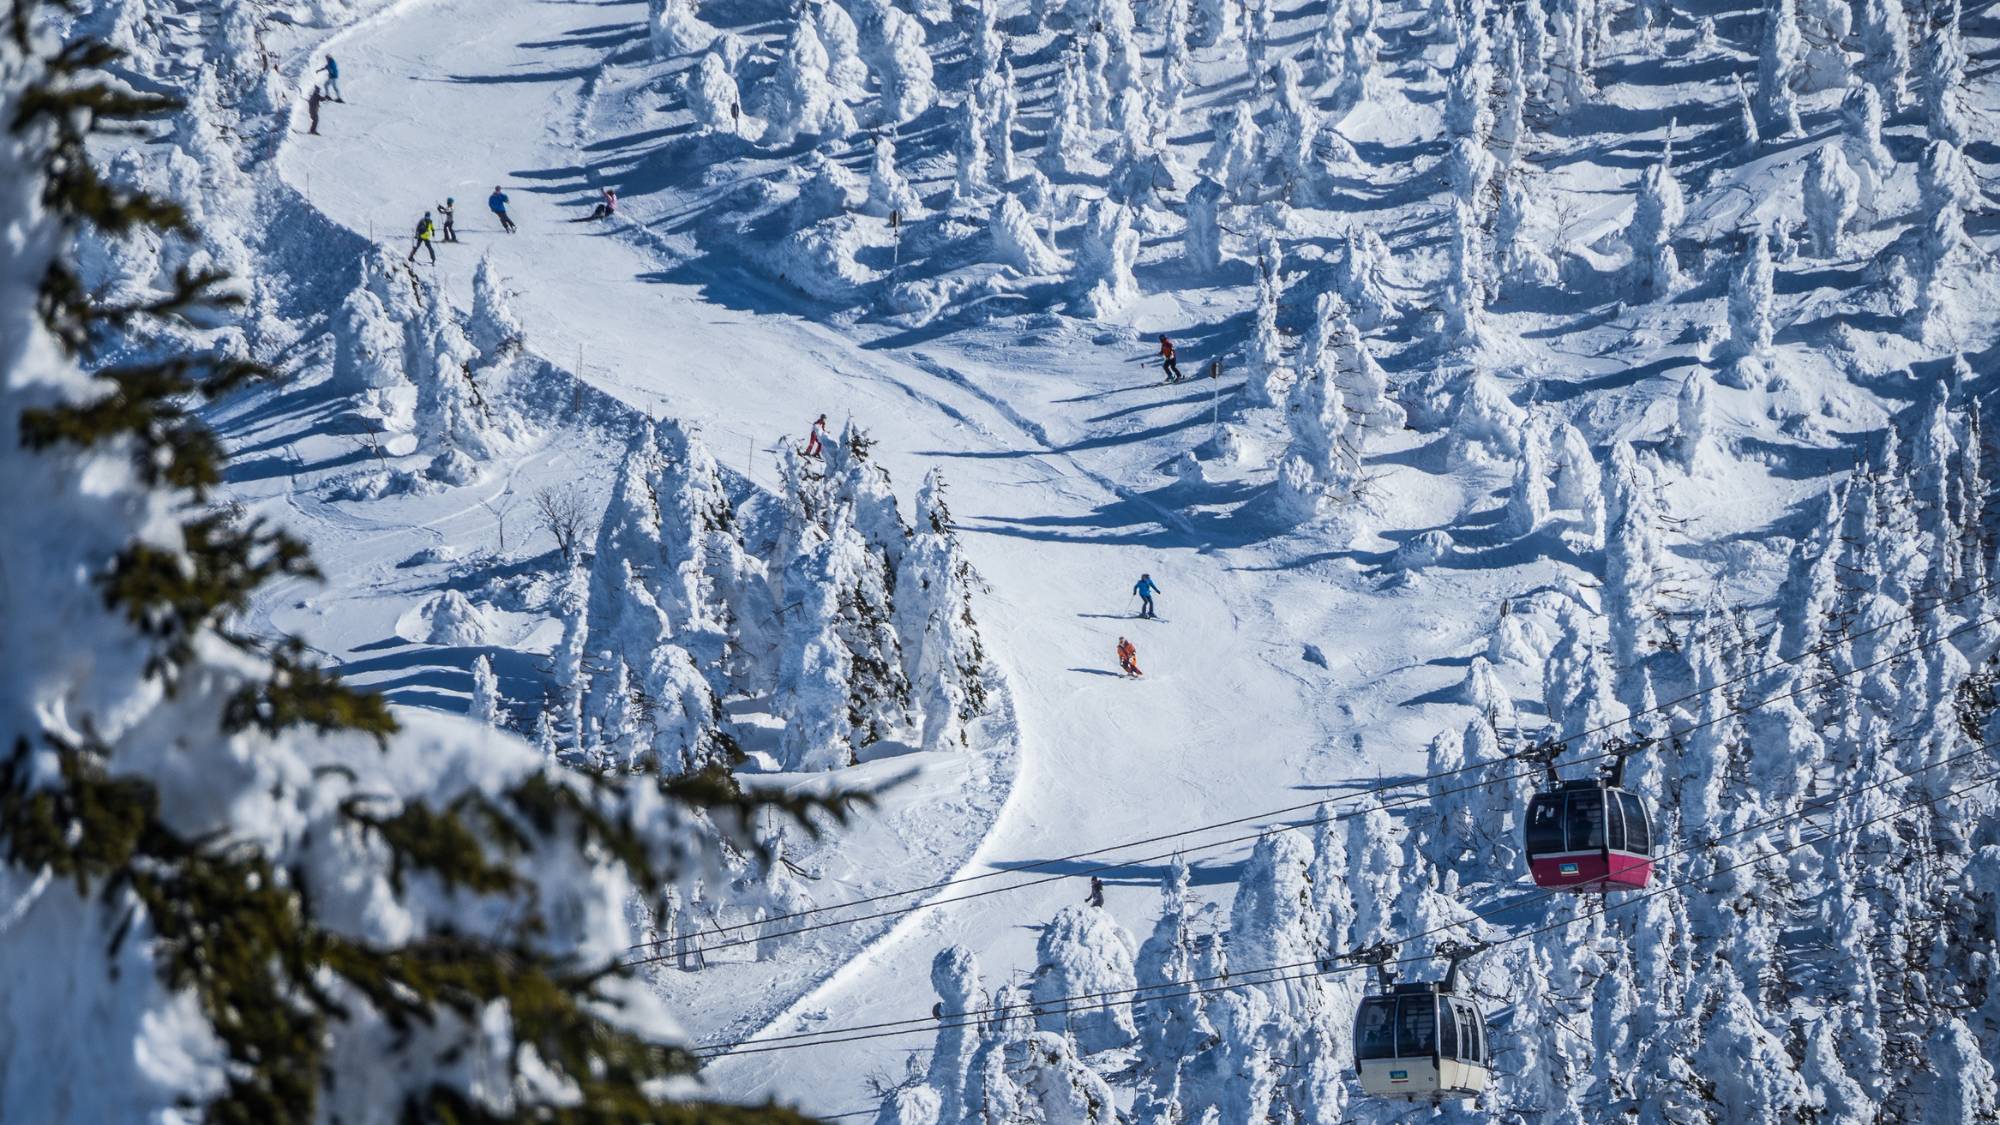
{"type": "Point", "coordinates": [1593, 371]}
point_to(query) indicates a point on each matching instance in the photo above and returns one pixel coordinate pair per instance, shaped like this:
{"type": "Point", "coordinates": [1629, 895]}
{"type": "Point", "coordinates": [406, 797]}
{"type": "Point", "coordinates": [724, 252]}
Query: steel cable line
{"type": "Point", "coordinates": [1065, 1004]}
{"type": "Point", "coordinates": [1321, 969]}
{"type": "Point", "coordinates": [1734, 711]}
{"type": "Point", "coordinates": [1824, 646]}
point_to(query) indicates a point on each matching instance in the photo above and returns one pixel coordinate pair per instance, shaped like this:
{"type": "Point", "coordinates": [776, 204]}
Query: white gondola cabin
{"type": "Point", "coordinates": [1422, 1041]}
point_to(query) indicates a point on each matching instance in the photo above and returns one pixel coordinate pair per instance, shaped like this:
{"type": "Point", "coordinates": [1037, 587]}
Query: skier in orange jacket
{"type": "Point", "coordinates": [1168, 362]}
{"type": "Point", "coordinates": [1128, 658]}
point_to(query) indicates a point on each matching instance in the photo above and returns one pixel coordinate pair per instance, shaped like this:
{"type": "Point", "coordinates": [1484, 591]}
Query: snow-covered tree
{"type": "Point", "coordinates": [1569, 82]}
{"type": "Point", "coordinates": [1832, 196]}
{"type": "Point", "coordinates": [1464, 298]}
{"type": "Point", "coordinates": [674, 28]}
{"type": "Point", "coordinates": [487, 706]}
{"type": "Point", "coordinates": [1084, 952]}
{"type": "Point", "coordinates": [1167, 1011]}
{"type": "Point", "coordinates": [1778, 74]}
{"type": "Point", "coordinates": [453, 421]}
{"type": "Point", "coordinates": [1750, 305]}
{"type": "Point", "coordinates": [894, 42]}
{"type": "Point", "coordinates": [955, 976]}
{"type": "Point", "coordinates": [711, 92]}
{"type": "Point", "coordinates": [1749, 137]}
{"type": "Point", "coordinates": [943, 656]}
{"type": "Point", "coordinates": [1883, 36]}
{"type": "Point", "coordinates": [1269, 377]}
{"type": "Point", "coordinates": [1518, 260]}
{"type": "Point", "coordinates": [971, 125]}
{"type": "Point", "coordinates": [1655, 270]}
{"type": "Point", "coordinates": [493, 328]}
{"type": "Point", "coordinates": [1633, 561]}
{"type": "Point", "coordinates": [1692, 423]}
{"type": "Point", "coordinates": [1006, 112]}
{"type": "Point", "coordinates": [800, 99]}
{"type": "Point", "coordinates": [1943, 84]}
{"type": "Point", "coordinates": [1861, 139]}
{"type": "Point", "coordinates": [1943, 189]}
{"type": "Point", "coordinates": [1071, 146]}
{"type": "Point", "coordinates": [1236, 156]}
{"type": "Point", "coordinates": [1017, 243]}
{"type": "Point", "coordinates": [1360, 276]}
{"type": "Point", "coordinates": [888, 191]}
{"type": "Point", "coordinates": [1377, 876]}
{"type": "Point", "coordinates": [1176, 65]}
{"type": "Point", "coordinates": [1215, 21]}
{"type": "Point", "coordinates": [837, 32]}
{"type": "Point", "coordinates": [1203, 240]}
{"type": "Point", "coordinates": [1105, 260]}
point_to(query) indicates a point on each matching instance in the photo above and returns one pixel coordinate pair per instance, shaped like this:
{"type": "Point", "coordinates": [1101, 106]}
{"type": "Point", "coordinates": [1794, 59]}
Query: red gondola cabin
{"type": "Point", "coordinates": [1589, 836]}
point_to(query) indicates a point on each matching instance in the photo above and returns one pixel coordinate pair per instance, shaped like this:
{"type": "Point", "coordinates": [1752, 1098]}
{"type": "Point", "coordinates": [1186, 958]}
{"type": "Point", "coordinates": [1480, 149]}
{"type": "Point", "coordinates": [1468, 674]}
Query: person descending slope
{"type": "Point", "coordinates": [332, 72]}
{"type": "Point", "coordinates": [816, 441]}
{"type": "Point", "coordinates": [497, 203]}
{"type": "Point", "coordinates": [1168, 361]}
{"type": "Point", "coordinates": [1146, 588]}
{"type": "Point", "coordinates": [448, 211]}
{"type": "Point", "coordinates": [424, 231]}
{"type": "Point", "coordinates": [1128, 658]}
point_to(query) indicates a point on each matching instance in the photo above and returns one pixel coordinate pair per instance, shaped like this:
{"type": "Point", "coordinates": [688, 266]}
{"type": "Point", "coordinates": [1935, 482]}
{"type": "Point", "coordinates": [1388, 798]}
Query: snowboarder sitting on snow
{"type": "Point", "coordinates": [815, 442]}
{"type": "Point", "coordinates": [497, 203]}
{"type": "Point", "coordinates": [1146, 588]}
{"type": "Point", "coordinates": [332, 72]}
{"type": "Point", "coordinates": [424, 232]}
{"type": "Point", "coordinates": [1128, 658]}
{"type": "Point", "coordinates": [606, 207]}
{"type": "Point", "coordinates": [1168, 362]}
{"type": "Point", "coordinates": [312, 110]}
{"type": "Point", "coordinates": [448, 211]}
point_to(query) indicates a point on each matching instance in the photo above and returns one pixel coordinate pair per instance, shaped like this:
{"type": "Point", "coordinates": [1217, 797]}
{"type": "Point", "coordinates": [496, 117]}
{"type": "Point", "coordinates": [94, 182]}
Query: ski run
{"type": "Point", "coordinates": [1060, 562]}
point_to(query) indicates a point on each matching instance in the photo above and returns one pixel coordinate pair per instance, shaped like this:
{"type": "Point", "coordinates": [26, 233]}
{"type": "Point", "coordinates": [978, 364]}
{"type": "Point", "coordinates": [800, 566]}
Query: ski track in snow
{"type": "Point", "coordinates": [1062, 507]}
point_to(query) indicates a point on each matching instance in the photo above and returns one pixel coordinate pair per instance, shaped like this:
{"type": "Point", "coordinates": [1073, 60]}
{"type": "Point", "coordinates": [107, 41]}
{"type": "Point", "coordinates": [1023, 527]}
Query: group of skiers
{"type": "Point", "coordinates": [328, 91]}
{"type": "Point", "coordinates": [429, 231]}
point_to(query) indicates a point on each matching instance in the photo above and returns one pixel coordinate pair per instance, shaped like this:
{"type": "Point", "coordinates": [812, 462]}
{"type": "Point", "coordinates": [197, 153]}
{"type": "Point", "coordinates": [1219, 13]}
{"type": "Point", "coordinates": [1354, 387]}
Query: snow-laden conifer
{"type": "Point", "coordinates": [1943, 80]}
{"type": "Point", "coordinates": [711, 92]}
{"type": "Point", "coordinates": [1751, 294]}
{"type": "Point", "coordinates": [493, 328]}
{"type": "Point", "coordinates": [944, 658]}
{"type": "Point", "coordinates": [1269, 377]}
{"type": "Point", "coordinates": [1017, 242]}
{"type": "Point", "coordinates": [1832, 195]}
{"type": "Point", "coordinates": [1655, 270]}
{"type": "Point", "coordinates": [800, 99]}
{"type": "Point", "coordinates": [674, 28]}
{"type": "Point", "coordinates": [955, 976]}
{"type": "Point", "coordinates": [487, 706]}
{"type": "Point", "coordinates": [1202, 242]}
{"type": "Point", "coordinates": [1883, 35]}
{"type": "Point", "coordinates": [888, 191]}
{"type": "Point", "coordinates": [894, 43]}
{"type": "Point", "coordinates": [1105, 259]}
{"type": "Point", "coordinates": [1084, 952]}
{"type": "Point", "coordinates": [1778, 77]}
{"type": "Point", "coordinates": [1360, 276]}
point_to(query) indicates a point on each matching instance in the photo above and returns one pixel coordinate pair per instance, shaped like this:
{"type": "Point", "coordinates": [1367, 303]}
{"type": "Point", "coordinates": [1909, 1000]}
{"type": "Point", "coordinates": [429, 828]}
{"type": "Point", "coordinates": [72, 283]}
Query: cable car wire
{"type": "Point", "coordinates": [1064, 1004]}
{"type": "Point", "coordinates": [1772, 665]}
{"type": "Point", "coordinates": [1320, 968]}
{"type": "Point", "coordinates": [695, 948]}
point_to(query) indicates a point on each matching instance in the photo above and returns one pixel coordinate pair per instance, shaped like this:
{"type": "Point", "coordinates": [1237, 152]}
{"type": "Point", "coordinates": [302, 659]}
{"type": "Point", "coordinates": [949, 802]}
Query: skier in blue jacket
{"type": "Point", "coordinates": [332, 72]}
{"type": "Point", "coordinates": [1146, 588]}
{"type": "Point", "coordinates": [497, 202]}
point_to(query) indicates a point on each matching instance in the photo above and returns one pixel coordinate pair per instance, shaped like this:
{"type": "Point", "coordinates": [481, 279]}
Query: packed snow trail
{"type": "Point", "coordinates": [451, 97]}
